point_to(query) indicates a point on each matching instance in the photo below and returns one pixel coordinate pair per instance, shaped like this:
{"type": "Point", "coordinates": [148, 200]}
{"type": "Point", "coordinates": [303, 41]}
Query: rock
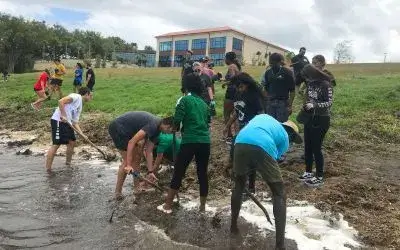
{"type": "Point", "coordinates": [20, 143]}
{"type": "Point", "coordinates": [398, 114]}
{"type": "Point", "coordinates": [99, 175]}
{"type": "Point", "coordinates": [25, 151]}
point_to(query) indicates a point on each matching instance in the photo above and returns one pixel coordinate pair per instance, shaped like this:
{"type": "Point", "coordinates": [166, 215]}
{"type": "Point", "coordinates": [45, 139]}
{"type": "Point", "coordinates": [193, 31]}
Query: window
{"type": "Point", "coordinates": [166, 46]}
{"type": "Point", "coordinates": [181, 45]}
{"type": "Point", "coordinates": [199, 43]}
{"type": "Point", "coordinates": [197, 57]}
{"type": "Point", "coordinates": [178, 61]}
{"type": "Point", "coordinates": [237, 44]}
{"type": "Point", "coordinates": [217, 42]}
{"type": "Point", "coordinates": [164, 61]}
{"type": "Point", "coordinates": [218, 59]}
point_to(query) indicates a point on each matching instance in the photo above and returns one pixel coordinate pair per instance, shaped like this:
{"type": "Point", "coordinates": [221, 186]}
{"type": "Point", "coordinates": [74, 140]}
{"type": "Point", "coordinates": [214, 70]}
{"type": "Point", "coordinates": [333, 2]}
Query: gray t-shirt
{"type": "Point", "coordinates": [131, 122]}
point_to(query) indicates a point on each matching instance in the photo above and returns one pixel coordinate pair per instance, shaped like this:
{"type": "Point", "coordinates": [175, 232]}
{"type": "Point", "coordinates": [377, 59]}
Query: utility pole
{"type": "Point", "coordinates": [384, 59]}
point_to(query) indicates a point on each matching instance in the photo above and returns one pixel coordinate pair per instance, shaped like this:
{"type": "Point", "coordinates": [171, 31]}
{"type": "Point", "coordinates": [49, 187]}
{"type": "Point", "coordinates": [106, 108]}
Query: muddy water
{"type": "Point", "coordinates": [69, 209]}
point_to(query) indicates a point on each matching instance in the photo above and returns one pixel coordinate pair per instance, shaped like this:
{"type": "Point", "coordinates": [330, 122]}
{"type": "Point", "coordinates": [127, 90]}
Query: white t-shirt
{"type": "Point", "coordinates": [73, 109]}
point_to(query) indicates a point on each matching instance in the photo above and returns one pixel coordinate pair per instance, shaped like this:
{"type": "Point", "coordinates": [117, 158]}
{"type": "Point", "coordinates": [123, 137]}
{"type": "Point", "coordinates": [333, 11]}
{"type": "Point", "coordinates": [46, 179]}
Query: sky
{"type": "Point", "coordinates": [371, 25]}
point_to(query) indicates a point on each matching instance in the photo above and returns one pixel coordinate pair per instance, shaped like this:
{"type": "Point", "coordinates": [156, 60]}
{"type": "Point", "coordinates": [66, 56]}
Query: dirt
{"type": "Point", "coordinates": [362, 180]}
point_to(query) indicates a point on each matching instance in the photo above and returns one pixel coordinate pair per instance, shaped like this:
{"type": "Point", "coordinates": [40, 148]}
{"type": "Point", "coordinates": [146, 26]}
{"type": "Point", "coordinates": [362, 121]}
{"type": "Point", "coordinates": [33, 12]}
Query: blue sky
{"type": "Point", "coordinates": [65, 16]}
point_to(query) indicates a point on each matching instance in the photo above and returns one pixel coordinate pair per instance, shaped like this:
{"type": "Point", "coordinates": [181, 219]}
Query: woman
{"type": "Point", "coordinates": [78, 77]}
{"type": "Point", "coordinates": [193, 112]}
{"type": "Point", "coordinates": [319, 62]}
{"type": "Point", "coordinates": [247, 105]}
{"type": "Point", "coordinates": [318, 103]}
{"type": "Point", "coordinates": [40, 89]}
{"type": "Point", "coordinates": [234, 69]}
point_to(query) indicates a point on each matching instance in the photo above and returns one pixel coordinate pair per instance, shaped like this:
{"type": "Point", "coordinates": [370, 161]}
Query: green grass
{"type": "Point", "coordinates": [365, 100]}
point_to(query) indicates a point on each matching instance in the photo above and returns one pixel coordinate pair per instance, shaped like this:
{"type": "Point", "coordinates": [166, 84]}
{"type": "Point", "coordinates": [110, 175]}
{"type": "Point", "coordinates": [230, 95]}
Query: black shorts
{"type": "Point", "coordinates": [56, 81]}
{"type": "Point", "coordinates": [61, 132]}
{"type": "Point", "coordinates": [77, 83]}
{"type": "Point", "coordinates": [119, 138]}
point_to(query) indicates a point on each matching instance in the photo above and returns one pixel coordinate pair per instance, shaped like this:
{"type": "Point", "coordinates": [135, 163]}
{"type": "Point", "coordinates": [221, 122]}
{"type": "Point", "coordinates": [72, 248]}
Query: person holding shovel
{"type": "Point", "coordinates": [258, 146]}
{"type": "Point", "coordinates": [193, 112]}
{"type": "Point", "coordinates": [131, 132]}
{"type": "Point", "coordinates": [66, 115]}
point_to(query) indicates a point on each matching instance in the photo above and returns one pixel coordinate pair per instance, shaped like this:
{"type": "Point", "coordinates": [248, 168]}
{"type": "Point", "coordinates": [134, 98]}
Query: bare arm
{"type": "Point", "coordinates": [61, 105]}
{"type": "Point", "coordinates": [158, 160]}
{"type": "Point", "coordinates": [140, 135]}
{"type": "Point", "coordinates": [210, 93]}
{"type": "Point", "coordinates": [232, 119]}
{"type": "Point", "coordinates": [149, 155]}
{"type": "Point", "coordinates": [88, 78]}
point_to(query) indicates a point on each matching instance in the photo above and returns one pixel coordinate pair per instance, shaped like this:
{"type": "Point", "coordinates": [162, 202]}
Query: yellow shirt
{"type": "Point", "coordinates": [61, 68]}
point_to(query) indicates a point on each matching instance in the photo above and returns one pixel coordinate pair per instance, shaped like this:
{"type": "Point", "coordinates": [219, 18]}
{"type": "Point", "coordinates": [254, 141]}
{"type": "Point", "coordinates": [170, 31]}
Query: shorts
{"type": "Point", "coordinates": [119, 138]}
{"type": "Point", "coordinates": [77, 83]}
{"type": "Point", "coordinates": [34, 89]}
{"type": "Point", "coordinates": [249, 157]}
{"type": "Point", "coordinates": [61, 133]}
{"type": "Point", "coordinates": [56, 81]}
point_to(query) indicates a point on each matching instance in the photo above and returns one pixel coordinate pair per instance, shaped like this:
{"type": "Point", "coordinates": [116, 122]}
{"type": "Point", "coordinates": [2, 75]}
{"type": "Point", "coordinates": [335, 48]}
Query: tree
{"type": "Point", "coordinates": [343, 52]}
{"type": "Point", "coordinates": [148, 48]}
{"type": "Point", "coordinates": [289, 55]}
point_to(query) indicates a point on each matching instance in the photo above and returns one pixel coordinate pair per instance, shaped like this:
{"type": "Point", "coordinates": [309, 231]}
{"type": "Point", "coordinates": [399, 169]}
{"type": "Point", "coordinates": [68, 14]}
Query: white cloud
{"type": "Point", "coordinates": [372, 25]}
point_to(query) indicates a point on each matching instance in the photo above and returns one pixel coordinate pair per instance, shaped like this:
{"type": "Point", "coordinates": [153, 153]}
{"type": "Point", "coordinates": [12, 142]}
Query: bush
{"type": "Point", "coordinates": [104, 63]}
{"type": "Point", "coordinates": [114, 64]}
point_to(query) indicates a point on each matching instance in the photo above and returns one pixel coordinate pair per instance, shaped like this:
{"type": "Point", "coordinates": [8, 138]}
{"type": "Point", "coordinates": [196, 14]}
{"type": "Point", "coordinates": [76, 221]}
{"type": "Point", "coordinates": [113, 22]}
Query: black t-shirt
{"type": "Point", "coordinates": [207, 83]}
{"type": "Point", "coordinates": [187, 66]}
{"type": "Point", "coordinates": [131, 122]}
{"type": "Point", "coordinates": [279, 84]}
{"type": "Point", "coordinates": [247, 106]}
{"type": "Point", "coordinates": [92, 78]}
{"type": "Point", "coordinates": [299, 62]}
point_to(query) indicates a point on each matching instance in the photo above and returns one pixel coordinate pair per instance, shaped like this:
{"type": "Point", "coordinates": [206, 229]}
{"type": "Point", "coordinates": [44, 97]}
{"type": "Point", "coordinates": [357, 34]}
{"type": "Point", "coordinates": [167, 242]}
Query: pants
{"type": "Point", "coordinates": [201, 152]}
{"type": "Point", "coordinates": [249, 157]}
{"type": "Point", "coordinates": [252, 173]}
{"type": "Point", "coordinates": [278, 109]}
{"type": "Point", "coordinates": [314, 133]}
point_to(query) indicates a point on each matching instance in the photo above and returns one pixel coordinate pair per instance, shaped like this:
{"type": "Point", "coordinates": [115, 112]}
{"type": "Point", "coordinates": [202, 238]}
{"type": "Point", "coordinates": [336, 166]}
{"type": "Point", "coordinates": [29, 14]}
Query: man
{"type": "Point", "coordinates": [165, 150]}
{"type": "Point", "coordinates": [130, 132]}
{"type": "Point", "coordinates": [90, 77]}
{"type": "Point", "coordinates": [298, 63]}
{"type": "Point", "coordinates": [207, 94]}
{"type": "Point", "coordinates": [186, 68]}
{"type": "Point", "coordinates": [67, 114]}
{"type": "Point", "coordinates": [57, 77]}
{"type": "Point", "coordinates": [258, 146]}
{"type": "Point", "coordinates": [279, 88]}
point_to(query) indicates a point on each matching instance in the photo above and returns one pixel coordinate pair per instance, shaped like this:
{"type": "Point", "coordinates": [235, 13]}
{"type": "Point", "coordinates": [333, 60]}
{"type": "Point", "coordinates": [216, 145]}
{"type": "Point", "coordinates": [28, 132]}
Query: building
{"type": "Point", "coordinates": [141, 57]}
{"type": "Point", "coordinates": [214, 43]}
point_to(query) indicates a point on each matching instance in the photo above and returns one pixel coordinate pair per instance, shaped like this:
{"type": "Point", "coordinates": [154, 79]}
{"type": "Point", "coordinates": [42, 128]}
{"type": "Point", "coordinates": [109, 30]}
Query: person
{"type": "Point", "coordinates": [187, 68]}
{"type": "Point", "coordinates": [90, 77]}
{"type": "Point", "coordinates": [193, 112]}
{"type": "Point", "coordinates": [298, 63]}
{"type": "Point", "coordinates": [247, 105]}
{"type": "Point", "coordinates": [57, 78]}
{"type": "Point", "coordinates": [258, 146]}
{"type": "Point", "coordinates": [234, 68]}
{"type": "Point", "coordinates": [207, 93]}
{"type": "Point", "coordinates": [319, 62]}
{"type": "Point", "coordinates": [318, 102]}
{"type": "Point", "coordinates": [66, 115]}
{"type": "Point", "coordinates": [165, 150]}
{"type": "Point", "coordinates": [5, 75]}
{"type": "Point", "coordinates": [78, 77]}
{"type": "Point", "coordinates": [40, 89]}
{"type": "Point", "coordinates": [279, 88]}
{"type": "Point", "coordinates": [131, 132]}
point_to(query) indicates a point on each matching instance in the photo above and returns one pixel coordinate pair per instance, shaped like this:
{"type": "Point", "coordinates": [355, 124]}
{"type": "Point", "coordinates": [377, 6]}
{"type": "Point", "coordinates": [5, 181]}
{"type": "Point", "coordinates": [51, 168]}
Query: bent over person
{"type": "Point", "coordinates": [257, 147]}
{"type": "Point", "coordinates": [66, 115]}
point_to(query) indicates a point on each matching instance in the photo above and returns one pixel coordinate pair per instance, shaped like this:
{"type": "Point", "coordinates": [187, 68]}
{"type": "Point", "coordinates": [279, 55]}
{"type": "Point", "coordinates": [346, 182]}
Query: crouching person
{"type": "Point", "coordinates": [258, 146]}
{"type": "Point", "coordinates": [193, 112]}
{"type": "Point", "coordinates": [66, 115]}
{"type": "Point", "coordinates": [130, 132]}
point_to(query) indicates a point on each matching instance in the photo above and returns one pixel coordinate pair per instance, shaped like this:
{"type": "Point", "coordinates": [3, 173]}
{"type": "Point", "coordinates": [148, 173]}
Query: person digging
{"type": "Point", "coordinates": [258, 146]}
{"type": "Point", "coordinates": [131, 132]}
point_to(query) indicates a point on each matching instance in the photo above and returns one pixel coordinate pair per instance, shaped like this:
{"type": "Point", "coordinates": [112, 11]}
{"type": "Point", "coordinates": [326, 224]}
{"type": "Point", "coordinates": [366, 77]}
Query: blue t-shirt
{"type": "Point", "coordinates": [78, 75]}
{"type": "Point", "coordinates": [266, 132]}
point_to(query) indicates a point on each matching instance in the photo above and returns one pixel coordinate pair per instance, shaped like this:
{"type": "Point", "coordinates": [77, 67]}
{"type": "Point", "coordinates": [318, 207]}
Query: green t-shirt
{"type": "Point", "coordinates": [165, 143]}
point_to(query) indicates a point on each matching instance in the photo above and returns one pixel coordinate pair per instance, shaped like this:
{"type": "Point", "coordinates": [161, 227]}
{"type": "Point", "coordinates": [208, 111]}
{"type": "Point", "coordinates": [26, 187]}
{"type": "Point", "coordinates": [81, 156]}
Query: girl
{"type": "Point", "coordinates": [40, 89]}
{"type": "Point", "coordinates": [319, 97]}
{"type": "Point", "coordinates": [78, 77]}
{"type": "Point", "coordinates": [234, 69]}
{"type": "Point", "coordinates": [319, 62]}
{"type": "Point", "coordinates": [193, 112]}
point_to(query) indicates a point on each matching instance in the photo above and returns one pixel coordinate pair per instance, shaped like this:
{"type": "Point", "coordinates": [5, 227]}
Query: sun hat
{"type": "Point", "coordinates": [293, 131]}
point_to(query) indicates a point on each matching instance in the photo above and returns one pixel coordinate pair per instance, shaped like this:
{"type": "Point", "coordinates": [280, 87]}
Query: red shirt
{"type": "Point", "coordinates": [42, 78]}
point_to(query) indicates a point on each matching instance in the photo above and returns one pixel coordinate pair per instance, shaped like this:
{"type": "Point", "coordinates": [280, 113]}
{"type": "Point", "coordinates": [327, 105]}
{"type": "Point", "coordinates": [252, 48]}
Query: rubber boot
{"type": "Point", "coordinates": [203, 200]}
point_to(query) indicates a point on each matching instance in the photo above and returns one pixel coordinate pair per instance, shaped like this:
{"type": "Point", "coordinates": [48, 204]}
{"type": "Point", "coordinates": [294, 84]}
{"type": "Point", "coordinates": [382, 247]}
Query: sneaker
{"type": "Point", "coordinates": [315, 182]}
{"type": "Point", "coordinates": [306, 176]}
{"type": "Point", "coordinates": [228, 140]}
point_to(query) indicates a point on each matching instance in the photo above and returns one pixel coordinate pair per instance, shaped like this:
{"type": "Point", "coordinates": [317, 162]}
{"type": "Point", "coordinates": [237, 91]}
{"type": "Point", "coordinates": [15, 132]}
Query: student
{"type": "Point", "coordinates": [319, 62]}
{"type": "Point", "coordinates": [5, 75]}
{"type": "Point", "coordinates": [247, 105]}
{"type": "Point", "coordinates": [193, 112]}
{"type": "Point", "coordinates": [234, 68]}
{"type": "Point", "coordinates": [279, 88]}
{"type": "Point", "coordinates": [164, 149]}
{"type": "Point", "coordinates": [207, 92]}
{"type": "Point", "coordinates": [68, 111]}
{"type": "Point", "coordinates": [131, 132]}
{"type": "Point", "coordinates": [57, 78]}
{"type": "Point", "coordinates": [78, 77]}
{"type": "Point", "coordinates": [40, 89]}
{"type": "Point", "coordinates": [187, 68]}
{"type": "Point", "coordinates": [318, 103]}
{"type": "Point", "coordinates": [258, 146]}
{"type": "Point", "coordinates": [298, 63]}
{"type": "Point", "coordinates": [90, 77]}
